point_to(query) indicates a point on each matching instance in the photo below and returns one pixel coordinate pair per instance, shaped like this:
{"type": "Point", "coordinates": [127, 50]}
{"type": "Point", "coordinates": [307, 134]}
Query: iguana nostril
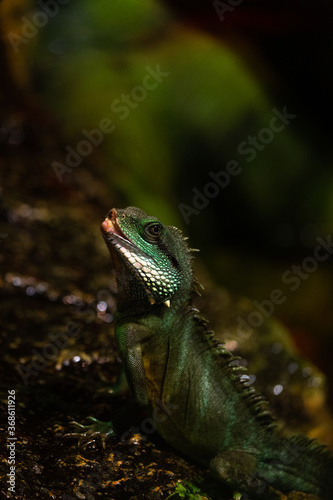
{"type": "Point", "coordinates": [112, 214]}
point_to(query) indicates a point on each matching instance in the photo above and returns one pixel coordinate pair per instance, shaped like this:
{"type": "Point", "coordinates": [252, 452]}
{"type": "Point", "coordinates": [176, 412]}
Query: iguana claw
{"type": "Point", "coordinates": [89, 433]}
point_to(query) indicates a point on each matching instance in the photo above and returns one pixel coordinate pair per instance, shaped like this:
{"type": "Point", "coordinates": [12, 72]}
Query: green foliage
{"type": "Point", "coordinates": [189, 491]}
{"type": "Point", "coordinates": [90, 63]}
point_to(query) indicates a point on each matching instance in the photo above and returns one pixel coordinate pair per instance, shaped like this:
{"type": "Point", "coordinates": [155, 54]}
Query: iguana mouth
{"type": "Point", "coordinates": [110, 227]}
{"type": "Point", "coordinates": [117, 239]}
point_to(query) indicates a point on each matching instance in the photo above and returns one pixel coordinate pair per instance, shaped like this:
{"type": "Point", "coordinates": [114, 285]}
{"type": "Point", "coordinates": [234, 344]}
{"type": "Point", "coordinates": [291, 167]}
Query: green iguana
{"type": "Point", "coordinates": [210, 413]}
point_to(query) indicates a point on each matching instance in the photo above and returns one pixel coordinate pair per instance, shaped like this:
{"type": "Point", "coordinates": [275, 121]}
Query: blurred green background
{"type": "Point", "coordinates": [184, 88]}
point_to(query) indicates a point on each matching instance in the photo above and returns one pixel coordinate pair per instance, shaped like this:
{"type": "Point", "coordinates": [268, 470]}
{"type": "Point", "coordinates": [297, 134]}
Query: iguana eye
{"type": "Point", "coordinates": [153, 231]}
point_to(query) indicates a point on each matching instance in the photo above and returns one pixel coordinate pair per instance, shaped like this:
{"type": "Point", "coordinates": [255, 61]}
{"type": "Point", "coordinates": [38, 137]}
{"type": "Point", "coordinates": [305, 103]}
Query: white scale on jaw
{"type": "Point", "coordinates": [159, 281]}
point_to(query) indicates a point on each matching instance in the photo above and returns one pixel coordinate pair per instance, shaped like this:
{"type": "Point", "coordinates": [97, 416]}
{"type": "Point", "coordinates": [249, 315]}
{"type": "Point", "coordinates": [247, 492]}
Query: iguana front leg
{"type": "Point", "coordinates": [239, 470]}
{"type": "Point", "coordinates": [87, 434]}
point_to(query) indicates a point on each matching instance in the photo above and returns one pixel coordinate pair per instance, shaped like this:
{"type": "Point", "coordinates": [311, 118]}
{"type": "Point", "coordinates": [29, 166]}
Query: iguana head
{"type": "Point", "coordinates": [152, 261]}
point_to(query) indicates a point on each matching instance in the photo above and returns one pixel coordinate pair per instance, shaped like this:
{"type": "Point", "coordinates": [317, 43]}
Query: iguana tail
{"type": "Point", "coordinates": [301, 464]}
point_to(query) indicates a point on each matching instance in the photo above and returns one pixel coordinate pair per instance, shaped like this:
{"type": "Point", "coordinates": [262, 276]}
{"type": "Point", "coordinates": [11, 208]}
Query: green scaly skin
{"type": "Point", "coordinates": [199, 399]}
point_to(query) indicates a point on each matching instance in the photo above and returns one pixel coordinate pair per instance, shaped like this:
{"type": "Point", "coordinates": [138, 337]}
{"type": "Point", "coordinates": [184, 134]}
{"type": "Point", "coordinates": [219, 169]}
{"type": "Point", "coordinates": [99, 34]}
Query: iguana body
{"type": "Point", "coordinates": [197, 397]}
